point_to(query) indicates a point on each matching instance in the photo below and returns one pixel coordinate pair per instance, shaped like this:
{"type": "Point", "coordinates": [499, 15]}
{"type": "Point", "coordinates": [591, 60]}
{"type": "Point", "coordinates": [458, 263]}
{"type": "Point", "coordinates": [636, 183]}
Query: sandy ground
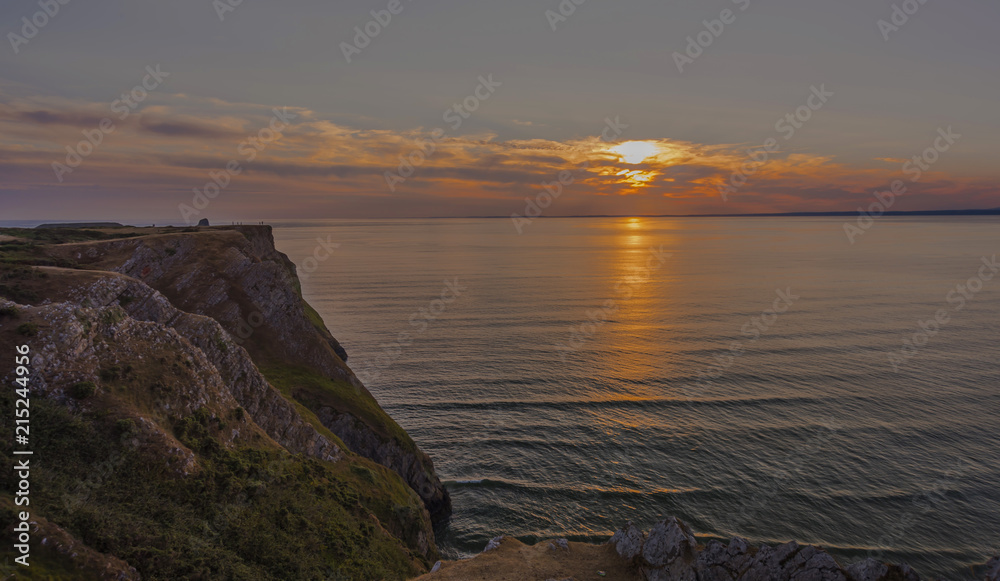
{"type": "Point", "coordinates": [515, 561]}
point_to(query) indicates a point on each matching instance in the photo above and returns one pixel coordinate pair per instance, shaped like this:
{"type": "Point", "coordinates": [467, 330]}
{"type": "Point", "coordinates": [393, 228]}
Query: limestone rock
{"type": "Point", "coordinates": [493, 544]}
{"type": "Point", "coordinates": [993, 569]}
{"type": "Point", "coordinates": [667, 541]}
{"type": "Point", "coordinates": [558, 544]}
{"type": "Point", "coordinates": [868, 570]}
{"type": "Point", "coordinates": [628, 541]}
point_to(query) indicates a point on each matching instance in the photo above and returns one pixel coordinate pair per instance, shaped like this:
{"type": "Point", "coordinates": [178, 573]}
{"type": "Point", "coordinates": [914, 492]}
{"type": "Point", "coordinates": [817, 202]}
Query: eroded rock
{"type": "Point", "coordinates": [993, 569]}
{"type": "Point", "coordinates": [628, 541]}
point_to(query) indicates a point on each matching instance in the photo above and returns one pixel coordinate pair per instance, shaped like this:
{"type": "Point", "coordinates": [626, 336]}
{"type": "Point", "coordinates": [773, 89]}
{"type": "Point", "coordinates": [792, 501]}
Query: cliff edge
{"type": "Point", "coordinates": [192, 417]}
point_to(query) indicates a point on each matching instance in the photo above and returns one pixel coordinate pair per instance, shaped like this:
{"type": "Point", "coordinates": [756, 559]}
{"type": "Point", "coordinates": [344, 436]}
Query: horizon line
{"type": "Point", "coordinates": [899, 213]}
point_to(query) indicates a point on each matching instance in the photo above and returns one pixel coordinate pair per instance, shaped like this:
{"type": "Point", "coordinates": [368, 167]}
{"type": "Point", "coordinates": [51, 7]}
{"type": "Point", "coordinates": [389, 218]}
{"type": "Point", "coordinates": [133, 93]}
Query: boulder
{"type": "Point", "coordinates": [559, 544]}
{"type": "Point", "coordinates": [717, 562]}
{"type": "Point", "coordinates": [628, 541]}
{"type": "Point", "coordinates": [868, 570]}
{"type": "Point", "coordinates": [993, 569]}
{"type": "Point", "coordinates": [668, 540]}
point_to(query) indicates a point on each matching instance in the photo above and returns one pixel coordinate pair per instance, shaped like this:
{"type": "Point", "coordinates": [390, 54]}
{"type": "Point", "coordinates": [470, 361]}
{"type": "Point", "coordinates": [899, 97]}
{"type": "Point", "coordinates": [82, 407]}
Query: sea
{"type": "Point", "coordinates": [770, 378]}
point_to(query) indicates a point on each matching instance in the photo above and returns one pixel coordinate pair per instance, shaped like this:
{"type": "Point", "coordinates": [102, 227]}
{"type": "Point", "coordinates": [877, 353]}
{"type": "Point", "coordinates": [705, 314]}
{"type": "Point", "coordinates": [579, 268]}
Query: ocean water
{"type": "Point", "coordinates": [734, 372]}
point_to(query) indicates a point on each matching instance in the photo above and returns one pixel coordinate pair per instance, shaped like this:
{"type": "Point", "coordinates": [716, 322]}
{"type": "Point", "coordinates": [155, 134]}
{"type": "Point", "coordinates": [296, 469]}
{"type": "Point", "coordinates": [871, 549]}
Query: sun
{"type": "Point", "coordinates": [634, 152]}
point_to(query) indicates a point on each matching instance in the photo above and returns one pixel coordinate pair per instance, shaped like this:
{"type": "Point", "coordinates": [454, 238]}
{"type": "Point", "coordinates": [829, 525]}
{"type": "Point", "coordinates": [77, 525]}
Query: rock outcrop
{"type": "Point", "coordinates": [230, 367]}
{"type": "Point", "coordinates": [670, 552]}
{"type": "Point", "coordinates": [993, 569]}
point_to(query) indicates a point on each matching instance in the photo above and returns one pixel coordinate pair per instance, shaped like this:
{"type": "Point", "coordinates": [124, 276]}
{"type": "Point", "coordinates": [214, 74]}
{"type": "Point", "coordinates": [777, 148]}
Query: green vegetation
{"type": "Point", "coordinates": [29, 253]}
{"type": "Point", "coordinates": [61, 235]}
{"type": "Point", "coordinates": [113, 316]}
{"type": "Point", "coordinates": [30, 243]}
{"type": "Point", "coordinates": [110, 373]}
{"type": "Point", "coordinates": [82, 390]}
{"type": "Point", "coordinates": [27, 329]}
{"type": "Point", "coordinates": [10, 312]}
{"type": "Point", "coordinates": [314, 318]}
{"type": "Point", "coordinates": [246, 514]}
{"type": "Point", "coordinates": [316, 392]}
{"type": "Point", "coordinates": [126, 427]}
{"type": "Point", "coordinates": [13, 280]}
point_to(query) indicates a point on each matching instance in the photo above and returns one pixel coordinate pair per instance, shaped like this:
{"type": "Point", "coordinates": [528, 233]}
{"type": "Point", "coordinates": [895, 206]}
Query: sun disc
{"type": "Point", "coordinates": [634, 152]}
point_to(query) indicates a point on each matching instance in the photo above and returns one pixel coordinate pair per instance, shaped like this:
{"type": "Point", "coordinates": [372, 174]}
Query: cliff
{"type": "Point", "coordinates": [192, 416]}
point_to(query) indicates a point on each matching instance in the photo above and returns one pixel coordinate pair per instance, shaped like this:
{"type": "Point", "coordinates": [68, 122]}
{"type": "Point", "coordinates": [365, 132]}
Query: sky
{"type": "Point", "coordinates": [243, 110]}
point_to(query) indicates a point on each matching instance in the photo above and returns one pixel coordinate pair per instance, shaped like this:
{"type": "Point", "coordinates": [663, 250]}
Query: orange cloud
{"type": "Point", "coordinates": [169, 145]}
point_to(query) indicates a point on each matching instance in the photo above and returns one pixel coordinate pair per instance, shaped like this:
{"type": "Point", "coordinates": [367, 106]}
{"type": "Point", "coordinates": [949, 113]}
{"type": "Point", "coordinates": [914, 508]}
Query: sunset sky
{"type": "Point", "coordinates": [595, 91]}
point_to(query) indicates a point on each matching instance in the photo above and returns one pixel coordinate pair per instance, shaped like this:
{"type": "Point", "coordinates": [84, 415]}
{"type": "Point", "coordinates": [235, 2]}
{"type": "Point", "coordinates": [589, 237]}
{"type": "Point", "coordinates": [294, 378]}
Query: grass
{"type": "Point", "coordinates": [27, 329]}
{"type": "Point", "coordinates": [316, 392]}
{"type": "Point", "coordinates": [314, 318]}
{"type": "Point", "coordinates": [61, 235]}
{"type": "Point", "coordinates": [246, 514]}
{"type": "Point", "coordinates": [13, 281]}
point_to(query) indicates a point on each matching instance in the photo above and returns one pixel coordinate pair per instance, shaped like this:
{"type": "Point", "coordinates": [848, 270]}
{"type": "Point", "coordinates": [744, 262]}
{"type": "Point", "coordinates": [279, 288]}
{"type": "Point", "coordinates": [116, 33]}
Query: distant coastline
{"type": "Point", "coordinates": [900, 214]}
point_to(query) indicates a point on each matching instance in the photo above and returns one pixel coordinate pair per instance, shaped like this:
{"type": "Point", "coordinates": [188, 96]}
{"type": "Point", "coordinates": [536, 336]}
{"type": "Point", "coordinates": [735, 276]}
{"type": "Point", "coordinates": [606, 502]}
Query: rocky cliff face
{"type": "Point", "coordinates": [236, 277]}
{"type": "Point", "coordinates": [183, 369]}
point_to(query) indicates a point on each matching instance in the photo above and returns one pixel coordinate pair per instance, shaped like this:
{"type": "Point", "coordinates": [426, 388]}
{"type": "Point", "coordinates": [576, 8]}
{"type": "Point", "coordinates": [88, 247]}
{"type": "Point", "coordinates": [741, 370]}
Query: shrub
{"type": "Point", "coordinates": [112, 316]}
{"type": "Point", "coordinates": [126, 427]}
{"type": "Point", "coordinates": [111, 373]}
{"type": "Point", "coordinates": [83, 390]}
{"type": "Point", "coordinates": [28, 329]}
{"type": "Point", "coordinates": [11, 311]}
